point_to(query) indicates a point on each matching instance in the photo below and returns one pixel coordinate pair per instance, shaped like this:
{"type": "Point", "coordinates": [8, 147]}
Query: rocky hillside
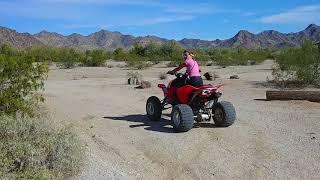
{"type": "Point", "coordinates": [112, 40]}
{"type": "Point", "coordinates": [19, 40]}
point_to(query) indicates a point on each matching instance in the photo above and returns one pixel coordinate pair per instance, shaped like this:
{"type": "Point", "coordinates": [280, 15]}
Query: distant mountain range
{"type": "Point", "coordinates": [111, 40]}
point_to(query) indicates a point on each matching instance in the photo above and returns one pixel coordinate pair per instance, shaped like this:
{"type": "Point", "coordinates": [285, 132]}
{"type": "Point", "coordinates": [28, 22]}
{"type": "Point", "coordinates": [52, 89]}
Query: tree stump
{"type": "Point", "coordinates": [313, 96]}
{"type": "Point", "coordinates": [234, 77]}
{"type": "Point", "coordinates": [209, 76]}
{"type": "Point", "coordinates": [133, 81]}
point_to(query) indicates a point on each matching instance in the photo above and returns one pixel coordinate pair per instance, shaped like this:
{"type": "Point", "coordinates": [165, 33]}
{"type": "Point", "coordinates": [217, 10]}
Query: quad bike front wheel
{"type": "Point", "coordinates": [224, 114]}
{"type": "Point", "coordinates": [154, 108]}
{"type": "Point", "coordinates": [182, 118]}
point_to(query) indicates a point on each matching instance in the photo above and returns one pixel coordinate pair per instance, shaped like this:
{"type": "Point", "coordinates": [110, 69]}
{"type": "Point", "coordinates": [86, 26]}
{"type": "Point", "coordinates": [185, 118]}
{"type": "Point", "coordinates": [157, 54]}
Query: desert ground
{"type": "Point", "coordinates": [269, 140]}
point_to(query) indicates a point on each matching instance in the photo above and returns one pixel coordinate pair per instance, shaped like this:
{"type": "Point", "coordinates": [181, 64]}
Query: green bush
{"type": "Point", "coordinates": [31, 149]}
{"type": "Point", "coordinates": [20, 79]}
{"type": "Point", "coordinates": [95, 58]}
{"type": "Point", "coordinates": [7, 50]}
{"type": "Point", "coordinates": [137, 62]}
{"type": "Point", "coordinates": [138, 50]}
{"type": "Point", "coordinates": [120, 55]}
{"type": "Point", "coordinates": [171, 51]}
{"type": "Point", "coordinates": [43, 53]}
{"type": "Point", "coordinates": [298, 66]}
{"type": "Point", "coordinates": [141, 55]}
{"type": "Point", "coordinates": [201, 56]}
{"type": "Point", "coordinates": [68, 57]}
{"type": "Point", "coordinates": [228, 57]}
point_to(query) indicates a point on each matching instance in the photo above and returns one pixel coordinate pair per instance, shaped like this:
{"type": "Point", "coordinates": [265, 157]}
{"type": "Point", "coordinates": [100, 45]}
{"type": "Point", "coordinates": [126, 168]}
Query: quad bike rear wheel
{"type": "Point", "coordinates": [182, 118]}
{"type": "Point", "coordinates": [224, 114]}
{"type": "Point", "coordinates": [154, 108]}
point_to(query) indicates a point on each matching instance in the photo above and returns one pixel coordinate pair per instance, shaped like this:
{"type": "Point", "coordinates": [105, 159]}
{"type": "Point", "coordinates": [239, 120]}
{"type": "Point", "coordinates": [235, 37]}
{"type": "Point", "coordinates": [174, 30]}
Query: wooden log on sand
{"type": "Point", "coordinates": [313, 96]}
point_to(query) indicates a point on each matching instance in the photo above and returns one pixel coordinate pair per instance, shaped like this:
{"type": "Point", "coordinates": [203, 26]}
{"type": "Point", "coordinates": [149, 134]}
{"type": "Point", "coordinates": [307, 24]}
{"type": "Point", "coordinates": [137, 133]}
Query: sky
{"type": "Point", "coordinates": [171, 19]}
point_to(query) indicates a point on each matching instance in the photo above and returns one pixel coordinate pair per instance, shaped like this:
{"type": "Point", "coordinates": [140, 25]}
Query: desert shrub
{"type": "Point", "coordinates": [171, 51]}
{"type": "Point", "coordinates": [20, 79]}
{"type": "Point", "coordinates": [240, 56]}
{"type": "Point", "coordinates": [32, 149]}
{"type": "Point", "coordinates": [43, 53]}
{"type": "Point", "coordinates": [135, 75]}
{"type": "Point", "coordinates": [150, 51]}
{"type": "Point", "coordinates": [298, 66]}
{"type": "Point", "coordinates": [110, 66]}
{"type": "Point", "coordinates": [67, 58]}
{"type": "Point", "coordinates": [134, 78]}
{"type": "Point", "coordinates": [7, 50]}
{"type": "Point", "coordinates": [142, 65]}
{"type": "Point", "coordinates": [153, 52]}
{"type": "Point", "coordinates": [64, 57]}
{"type": "Point", "coordinates": [94, 58]}
{"type": "Point", "coordinates": [107, 55]}
{"type": "Point", "coordinates": [120, 54]}
{"type": "Point", "coordinates": [282, 78]}
{"type": "Point", "coordinates": [140, 54]}
{"type": "Point", "coordinates": [201, 56]}
{"type": "Point", "coordinates": [163, 76]}
{"type": "Point", "coordinates": [138, 49]}
{"type": "Point", "coordinates": [138, 62]}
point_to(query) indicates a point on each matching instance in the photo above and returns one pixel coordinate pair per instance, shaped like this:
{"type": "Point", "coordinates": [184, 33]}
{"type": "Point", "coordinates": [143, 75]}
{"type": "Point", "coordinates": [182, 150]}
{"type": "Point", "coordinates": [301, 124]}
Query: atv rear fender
{"type": "Point", "coordinates": [164, 88]}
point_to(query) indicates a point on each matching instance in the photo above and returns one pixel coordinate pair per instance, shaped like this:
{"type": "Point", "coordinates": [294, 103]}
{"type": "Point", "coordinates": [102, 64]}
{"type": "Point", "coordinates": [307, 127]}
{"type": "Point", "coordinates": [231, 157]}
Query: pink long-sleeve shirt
{"type": "Point", "coordinates": [192, 67]}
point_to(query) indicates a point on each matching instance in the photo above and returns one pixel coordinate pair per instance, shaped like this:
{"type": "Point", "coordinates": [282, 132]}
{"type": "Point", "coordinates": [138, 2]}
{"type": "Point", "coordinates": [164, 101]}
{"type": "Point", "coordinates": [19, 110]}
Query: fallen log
{"type": "Point", "coordinates": [313, 96]}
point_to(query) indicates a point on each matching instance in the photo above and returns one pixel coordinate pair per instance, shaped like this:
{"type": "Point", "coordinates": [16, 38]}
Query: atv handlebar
{"type": "Point", "coordinates": [178, 75]}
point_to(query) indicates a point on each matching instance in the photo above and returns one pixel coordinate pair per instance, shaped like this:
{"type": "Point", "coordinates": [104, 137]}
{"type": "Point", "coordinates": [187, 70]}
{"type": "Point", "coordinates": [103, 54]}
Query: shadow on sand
{"type": "Point", "coordinates": [163, 125]}
{"type": "Point", "coordinates": [159, 126]}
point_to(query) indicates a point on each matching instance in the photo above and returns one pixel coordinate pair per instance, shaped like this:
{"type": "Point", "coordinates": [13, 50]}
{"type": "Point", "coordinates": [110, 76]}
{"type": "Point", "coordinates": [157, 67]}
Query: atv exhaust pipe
{"type": "Point", "coordinates": [203, 117]}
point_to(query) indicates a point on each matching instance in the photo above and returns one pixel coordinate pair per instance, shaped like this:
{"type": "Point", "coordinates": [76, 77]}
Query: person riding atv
{"type": "Point", "coordinates": [193, 72]}
{"type": "Point", "coordinates": [190, 100]}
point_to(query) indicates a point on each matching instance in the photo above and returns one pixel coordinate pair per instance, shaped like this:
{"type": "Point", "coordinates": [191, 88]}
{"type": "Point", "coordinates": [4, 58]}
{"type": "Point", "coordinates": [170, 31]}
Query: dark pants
{"type": "Point", "coordinates": [195, 81]}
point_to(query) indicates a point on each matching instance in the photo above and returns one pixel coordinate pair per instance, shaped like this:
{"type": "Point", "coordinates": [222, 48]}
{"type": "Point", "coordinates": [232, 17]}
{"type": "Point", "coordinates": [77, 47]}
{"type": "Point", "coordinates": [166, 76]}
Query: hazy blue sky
{"type": "Point", "coordinates": [166, 18]}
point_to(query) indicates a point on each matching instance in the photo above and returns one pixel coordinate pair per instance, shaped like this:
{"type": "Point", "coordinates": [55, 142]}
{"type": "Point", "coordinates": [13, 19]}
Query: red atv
{"type": "Point", "coordinates": [191, 104]}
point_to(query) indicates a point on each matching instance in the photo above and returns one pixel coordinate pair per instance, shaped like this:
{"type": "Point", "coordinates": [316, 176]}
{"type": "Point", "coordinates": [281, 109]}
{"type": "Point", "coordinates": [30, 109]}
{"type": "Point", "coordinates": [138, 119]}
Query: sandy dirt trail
{"type": "Point", "coordinates": [270, 140]}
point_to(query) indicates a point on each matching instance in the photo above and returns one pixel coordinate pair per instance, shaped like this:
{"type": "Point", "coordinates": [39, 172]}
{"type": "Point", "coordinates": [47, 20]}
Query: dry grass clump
{"type": "Point", "coordinates": [32, 149]}
{"type": "Point", "coordinates": [134, 78]}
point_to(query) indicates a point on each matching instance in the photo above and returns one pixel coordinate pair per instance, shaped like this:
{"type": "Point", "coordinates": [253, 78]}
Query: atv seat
{"type": "Point", "coordinates": [184, 92]}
